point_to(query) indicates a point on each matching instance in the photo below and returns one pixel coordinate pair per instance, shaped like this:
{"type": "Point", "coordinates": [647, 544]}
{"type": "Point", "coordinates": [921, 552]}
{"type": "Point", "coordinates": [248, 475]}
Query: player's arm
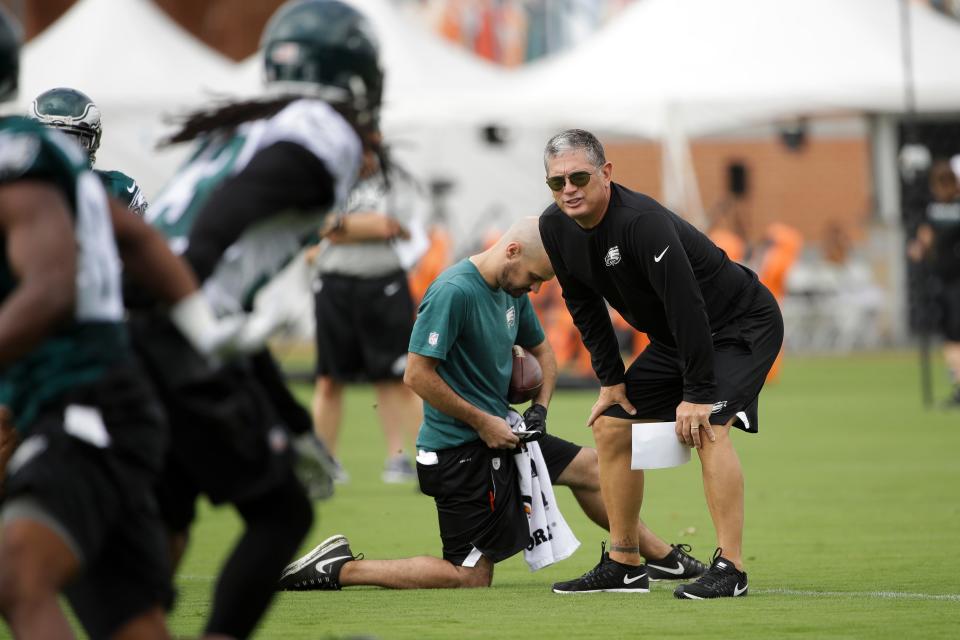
{"type": "Point", "coordinates": [589, 312]}
{"type": "Point", "coordinates": [282, 178]}
{"type": "Point", "coordinates": [535, 417]}
{"type": "Point", "coordinates": [8, 443]}
{"type": "Point", "coordinates": [919, 247]}
{"type": "Point", "coordinates": [592, 319]}
{"type": "Point", "coordinates": [362, 226]}
{"type": "Point", "coordinates": [41, 250]}
{"type": "Point", "coordinates": [421, 376]}
{"type": "Point", "coordinates": [543, 352]}
{"type": "Point", "coordinates": [147, 259]}
{"type": "Point", "coordinates": [660, 252]}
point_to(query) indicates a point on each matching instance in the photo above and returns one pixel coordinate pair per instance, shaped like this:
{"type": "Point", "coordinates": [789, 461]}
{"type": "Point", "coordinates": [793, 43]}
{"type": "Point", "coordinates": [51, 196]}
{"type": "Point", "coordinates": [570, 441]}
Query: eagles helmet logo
{"type": "Point", "coordinates": [73, 113]}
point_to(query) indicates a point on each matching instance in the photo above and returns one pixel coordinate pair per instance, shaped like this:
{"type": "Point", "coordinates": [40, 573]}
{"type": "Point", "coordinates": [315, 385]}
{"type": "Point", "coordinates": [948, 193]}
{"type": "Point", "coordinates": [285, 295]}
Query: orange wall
{"type": "Point", "coordinates": [829, 179]}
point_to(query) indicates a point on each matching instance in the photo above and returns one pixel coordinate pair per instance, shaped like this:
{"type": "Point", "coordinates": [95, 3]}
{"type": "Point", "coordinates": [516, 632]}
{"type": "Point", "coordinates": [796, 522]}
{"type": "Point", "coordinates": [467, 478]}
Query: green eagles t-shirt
{"type": "Point", "coordinates": [125, 189]}
{"type": "Point", "coordinates": [471, 328]}
{"type": "Point", "coordinates": [82, 348]}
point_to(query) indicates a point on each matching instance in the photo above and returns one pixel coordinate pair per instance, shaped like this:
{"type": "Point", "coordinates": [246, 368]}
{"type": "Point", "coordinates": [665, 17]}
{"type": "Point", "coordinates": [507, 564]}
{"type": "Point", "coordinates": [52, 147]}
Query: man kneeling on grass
{"type": "Point", "coordinates": [460, 363]}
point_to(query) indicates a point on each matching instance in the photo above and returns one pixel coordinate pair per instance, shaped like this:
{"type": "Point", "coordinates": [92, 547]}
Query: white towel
{"type": "Point", "coordinates": [551, 539]}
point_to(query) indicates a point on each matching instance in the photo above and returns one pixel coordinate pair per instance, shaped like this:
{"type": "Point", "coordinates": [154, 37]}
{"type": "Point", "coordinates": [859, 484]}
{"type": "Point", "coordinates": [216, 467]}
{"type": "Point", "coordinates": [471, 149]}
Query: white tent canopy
{"type": "Point", "coordinates": [137, 65]}
{"type": "Point", "coordinates": [420, 68]}
{"type": "Point", "coordinates": [716, 64]}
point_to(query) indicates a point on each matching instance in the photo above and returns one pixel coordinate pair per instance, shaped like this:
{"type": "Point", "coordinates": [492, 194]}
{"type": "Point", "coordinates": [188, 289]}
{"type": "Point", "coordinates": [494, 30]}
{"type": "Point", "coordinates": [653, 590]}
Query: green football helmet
{"type": "Point", "coordinates": [329, 46]}
{"type": "Point", "coordinates": [72, 112]}
{"type": "Point", "coordinates": [9, 55]}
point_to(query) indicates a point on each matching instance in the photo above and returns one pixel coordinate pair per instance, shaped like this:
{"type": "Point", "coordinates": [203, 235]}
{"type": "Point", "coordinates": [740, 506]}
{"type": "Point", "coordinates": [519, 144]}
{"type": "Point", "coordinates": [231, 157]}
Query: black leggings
{"type": "Point", "coordinates": [276, 523]}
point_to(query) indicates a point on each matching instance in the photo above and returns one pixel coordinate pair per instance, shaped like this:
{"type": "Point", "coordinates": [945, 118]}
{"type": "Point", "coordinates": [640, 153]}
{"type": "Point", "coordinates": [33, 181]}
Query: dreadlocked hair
{"type": "Point", "coordinates": [224, 116]}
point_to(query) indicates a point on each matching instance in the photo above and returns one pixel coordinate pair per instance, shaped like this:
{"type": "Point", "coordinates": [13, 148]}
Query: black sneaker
{"type": "Point", "coordinates": [609, 576]}
{"type": "Point", "coordinates": [320, 569]}
{"type": "Point", "coordinates": [676, 565]}
{"type": "Point", "coordinates": [722, 580]}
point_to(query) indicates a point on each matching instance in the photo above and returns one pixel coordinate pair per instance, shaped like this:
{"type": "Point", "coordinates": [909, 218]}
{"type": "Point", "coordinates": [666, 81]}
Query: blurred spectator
{"type": "Point", "coordinates": [834, 303]}
{"type": "Point", "coordinates": [938, 241]}
{"type": "Point", "coordinates": [727, 230]}
{"type": "Point", "coordinates": [364, 310]}
{"type": "Point", "coordinates": [779, 251]}
{"type": "Point", "coordinates": [511, 32]}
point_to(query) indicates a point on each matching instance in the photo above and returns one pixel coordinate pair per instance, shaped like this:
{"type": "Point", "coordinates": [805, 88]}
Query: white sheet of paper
{"type": "Point", "coordinates": [655, 446]}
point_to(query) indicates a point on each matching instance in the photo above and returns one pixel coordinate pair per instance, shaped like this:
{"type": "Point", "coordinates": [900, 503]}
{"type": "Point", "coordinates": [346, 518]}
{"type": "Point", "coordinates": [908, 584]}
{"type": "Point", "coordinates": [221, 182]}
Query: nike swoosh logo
{"type": "Point", "coordinates": [662, 253]}
{"type": "Point", "coordinates": [629, 580]}
{"type": "Point", "coordinates": [131, 188]}
{"type": "Point", "coordinates": [674, 570]}
{"type": "Point", "coordinates": [321, 566]}
{"type": "Point", "coordinates": [738, 591]}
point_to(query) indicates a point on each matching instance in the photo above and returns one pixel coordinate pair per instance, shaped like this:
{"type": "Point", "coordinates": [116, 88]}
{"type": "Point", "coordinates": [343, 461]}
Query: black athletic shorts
{"type": "Point", "coordinates": [363, 326]}
{"type": "Point", "coordinates": [94, 487]}
{"type": "Point", "coordinates": [744, 351]}
{"type": "Point", "coordinates": [949, 300]}
{"type": "Point", "coordinates": [477, 493]}
{"type": "Point", "coordinates": [226, 438]}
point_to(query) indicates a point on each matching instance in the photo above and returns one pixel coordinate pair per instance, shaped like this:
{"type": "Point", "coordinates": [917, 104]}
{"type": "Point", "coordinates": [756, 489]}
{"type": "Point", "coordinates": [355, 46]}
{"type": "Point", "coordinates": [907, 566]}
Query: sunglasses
{"type": "Point", "coordinates": [577, 179]}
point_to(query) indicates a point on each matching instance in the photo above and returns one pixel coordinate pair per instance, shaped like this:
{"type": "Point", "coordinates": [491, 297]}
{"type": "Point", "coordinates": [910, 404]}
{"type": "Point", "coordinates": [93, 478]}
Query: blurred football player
{"type": "Point", "coordinates": [264, 174]}
{"type": "Point", "coordinates": [83, 437]}
{"type": "Point", "coordinates": [364, 311]}
{"type": "Point", "coordinates": [75, 114]}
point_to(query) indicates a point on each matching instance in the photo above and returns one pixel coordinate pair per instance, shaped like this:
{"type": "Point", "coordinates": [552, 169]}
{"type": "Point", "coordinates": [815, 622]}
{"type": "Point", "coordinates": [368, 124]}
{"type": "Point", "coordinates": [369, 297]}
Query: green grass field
{"type": "Point", "coordinates": [853, 526]}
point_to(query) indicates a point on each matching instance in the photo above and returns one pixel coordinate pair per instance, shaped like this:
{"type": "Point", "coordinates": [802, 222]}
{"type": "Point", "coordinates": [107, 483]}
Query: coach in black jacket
{"type": "Point", "coordinates": [714, 332]}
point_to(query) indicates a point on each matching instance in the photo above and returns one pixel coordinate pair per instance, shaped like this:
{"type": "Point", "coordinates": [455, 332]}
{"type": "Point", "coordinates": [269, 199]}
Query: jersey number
{"type": "Point", "coordinates": [99, 295]}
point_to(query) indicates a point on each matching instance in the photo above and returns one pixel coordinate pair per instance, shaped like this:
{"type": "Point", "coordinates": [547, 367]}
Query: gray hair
{"type": "Point", "coordinates": [575, 140]}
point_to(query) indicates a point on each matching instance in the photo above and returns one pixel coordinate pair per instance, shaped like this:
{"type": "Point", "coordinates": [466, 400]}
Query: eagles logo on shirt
{"type": "Point", "coordinates": [612, 257]}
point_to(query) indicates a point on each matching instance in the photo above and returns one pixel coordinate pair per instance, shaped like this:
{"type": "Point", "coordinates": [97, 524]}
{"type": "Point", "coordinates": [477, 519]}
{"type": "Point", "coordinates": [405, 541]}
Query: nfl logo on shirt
{"type": "Point", "coordinates": [433, 338]}
{"type": "Point", "coordinates": [612, 257]}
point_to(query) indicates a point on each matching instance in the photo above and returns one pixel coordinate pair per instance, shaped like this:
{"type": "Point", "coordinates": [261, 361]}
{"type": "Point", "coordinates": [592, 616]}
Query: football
{"type": "Point", "coordinates": [526, 378]}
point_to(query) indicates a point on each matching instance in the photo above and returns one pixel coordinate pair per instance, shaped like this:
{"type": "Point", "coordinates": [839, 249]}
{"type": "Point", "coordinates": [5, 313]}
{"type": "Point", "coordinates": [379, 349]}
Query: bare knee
{"type": "Point", "coordinates": [327, 387]}
{"type": "Point", "coordinates": [611, 433]}
{"type": "Point", "coordinates": [23, 578]}
{"type": "Point", "coordinates": [478, 576]}
{"type": "Point", "coordinates": [583, 472]}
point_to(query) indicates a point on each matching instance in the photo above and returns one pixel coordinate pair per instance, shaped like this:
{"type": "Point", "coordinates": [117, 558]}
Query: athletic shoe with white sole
{"type": "Point", "coordinates": [315, 467]}
{"type": "Point", "coordinates": [319, 570]}
{"type": "Point", "coordinates": [676, 565]}
{"type": "Point", "coordinates": [608, 576]}
{"type": "Point", "coordinates": [398, 470]}
{"type": "Point", "coordinates": [722, 580]}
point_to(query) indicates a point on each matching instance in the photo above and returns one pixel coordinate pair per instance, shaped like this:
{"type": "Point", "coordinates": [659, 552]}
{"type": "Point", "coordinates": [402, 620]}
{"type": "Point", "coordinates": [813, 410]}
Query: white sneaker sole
{"type": "Point", "coordinates": [330, 543]}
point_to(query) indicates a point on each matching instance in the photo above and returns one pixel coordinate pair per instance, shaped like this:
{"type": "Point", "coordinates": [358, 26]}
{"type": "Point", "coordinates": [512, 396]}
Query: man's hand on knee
{"type": "Point", "coordinates": [691, 420]}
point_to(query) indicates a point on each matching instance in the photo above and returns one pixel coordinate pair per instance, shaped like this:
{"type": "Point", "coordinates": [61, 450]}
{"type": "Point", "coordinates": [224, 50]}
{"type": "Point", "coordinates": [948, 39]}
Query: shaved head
{"type": "Point", "coordinates": [517, 263]}
{"type": "Point", "coordinates": [526, 233]}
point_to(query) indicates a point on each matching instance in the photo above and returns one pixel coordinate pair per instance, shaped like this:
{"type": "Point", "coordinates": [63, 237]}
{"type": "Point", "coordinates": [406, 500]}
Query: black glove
{"type": "Point", "coordinates": [535, 423]}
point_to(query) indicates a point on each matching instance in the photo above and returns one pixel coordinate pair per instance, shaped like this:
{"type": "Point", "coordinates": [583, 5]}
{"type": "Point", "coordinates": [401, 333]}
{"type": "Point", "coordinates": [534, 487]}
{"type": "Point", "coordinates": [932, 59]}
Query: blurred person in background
{"type": "Point", "coordinates": [364, 310]}
{"type": "Point", "coordinates": [78, 515]}
{"type": "Point", "coordinates": [938, 241]}
{"type": "Point", "coordinates": [75, 114]}
{"type": "Point", "coordinates": [714, 332]}
{"type": "Point", "coordinates": [460, 363]}
{"type": "Point", "coordinates": [264, 174]}
{"type": "Point", "coordinates": [777, 253]}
